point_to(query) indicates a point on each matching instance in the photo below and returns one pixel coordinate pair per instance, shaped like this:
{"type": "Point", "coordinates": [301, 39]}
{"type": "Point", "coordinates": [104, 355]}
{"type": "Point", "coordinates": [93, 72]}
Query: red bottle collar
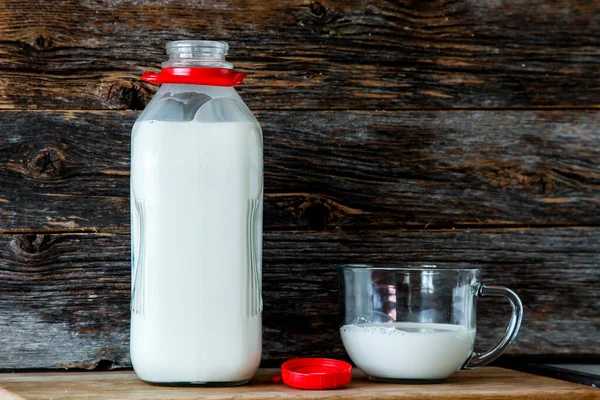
{"type": "Point", "coordinates": [196, 76]}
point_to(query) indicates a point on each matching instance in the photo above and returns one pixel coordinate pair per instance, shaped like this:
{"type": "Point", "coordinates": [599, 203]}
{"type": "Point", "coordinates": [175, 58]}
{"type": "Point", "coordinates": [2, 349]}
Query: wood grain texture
{"type": "Point", "coordinates": [64, 297]}
{"type": "Point", "coordinates": [301, 54]}
{"type": "Point", "coordinates": [324, 170]}
{"type": "Point", "coordinates": [486, 383]}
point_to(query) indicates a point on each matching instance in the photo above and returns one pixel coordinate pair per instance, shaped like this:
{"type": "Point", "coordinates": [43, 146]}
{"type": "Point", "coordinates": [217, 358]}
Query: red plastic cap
{"type": "Point", "coordinates": [196, 76]}
{"type": "Point", "coordinates": [316, 373]}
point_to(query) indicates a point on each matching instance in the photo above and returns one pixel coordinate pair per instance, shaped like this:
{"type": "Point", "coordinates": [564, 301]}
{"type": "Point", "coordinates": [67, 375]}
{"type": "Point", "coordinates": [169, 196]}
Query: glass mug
{"type": "Point", "coordinates": [416, 324]}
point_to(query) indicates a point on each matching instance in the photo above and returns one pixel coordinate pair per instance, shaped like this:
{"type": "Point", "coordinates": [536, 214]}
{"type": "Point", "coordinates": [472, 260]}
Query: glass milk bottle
{"type": "Point", "coordinates": [196, 224]}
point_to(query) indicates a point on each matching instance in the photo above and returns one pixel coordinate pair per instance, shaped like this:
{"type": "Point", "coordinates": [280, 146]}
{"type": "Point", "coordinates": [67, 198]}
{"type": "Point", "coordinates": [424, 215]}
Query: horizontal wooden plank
{"type": "Point", "coordinates": [64, 297]}
{"type": "Point", "coordinates": [302, 54]}
{"type": "Point", "coordinates": [482, 384]}
{"type": "Point", "coordinates": [323, 170]}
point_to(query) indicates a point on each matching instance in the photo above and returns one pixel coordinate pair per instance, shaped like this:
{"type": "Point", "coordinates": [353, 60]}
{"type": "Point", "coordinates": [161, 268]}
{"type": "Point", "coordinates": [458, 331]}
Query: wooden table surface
{"type": "Point", "coordinates": [485, 383]}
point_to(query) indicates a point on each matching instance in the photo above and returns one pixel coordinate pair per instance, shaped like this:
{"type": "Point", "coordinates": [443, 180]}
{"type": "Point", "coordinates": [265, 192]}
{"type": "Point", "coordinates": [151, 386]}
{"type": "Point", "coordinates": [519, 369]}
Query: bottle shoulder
{"type": "Point", "coordinates": [182, 103]}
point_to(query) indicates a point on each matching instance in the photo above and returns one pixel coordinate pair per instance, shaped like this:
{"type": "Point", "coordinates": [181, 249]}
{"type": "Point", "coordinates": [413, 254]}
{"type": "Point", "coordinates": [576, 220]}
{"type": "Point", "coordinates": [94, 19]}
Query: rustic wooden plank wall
{"type": "Point", "coordinates": [441, 131]}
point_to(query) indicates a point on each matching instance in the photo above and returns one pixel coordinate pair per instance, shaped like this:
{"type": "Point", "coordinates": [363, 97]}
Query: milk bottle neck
{"type": "Point", "coordinates": [197, 54]}
{"type": "Point", "coordinates": [196, 62]}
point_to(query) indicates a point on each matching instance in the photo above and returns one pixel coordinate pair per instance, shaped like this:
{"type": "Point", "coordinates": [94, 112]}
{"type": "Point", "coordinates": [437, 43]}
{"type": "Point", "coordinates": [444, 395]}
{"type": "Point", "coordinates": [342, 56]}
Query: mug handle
{"type": "Point", "coordinates": [480, 359]}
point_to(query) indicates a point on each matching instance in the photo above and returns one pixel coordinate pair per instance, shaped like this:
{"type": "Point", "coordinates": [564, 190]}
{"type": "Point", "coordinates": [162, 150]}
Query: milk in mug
{"type": "Point", "coordinates": [408, 350]}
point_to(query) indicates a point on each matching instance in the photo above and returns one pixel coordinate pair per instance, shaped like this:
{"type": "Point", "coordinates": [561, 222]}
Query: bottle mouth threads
{"type": "Point", "coordinates": [197, 53]}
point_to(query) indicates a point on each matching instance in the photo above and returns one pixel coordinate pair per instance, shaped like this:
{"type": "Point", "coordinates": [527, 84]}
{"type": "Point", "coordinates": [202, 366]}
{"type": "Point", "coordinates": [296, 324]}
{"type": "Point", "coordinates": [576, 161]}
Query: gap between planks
{"type": "Point", "coordinates": [358, 110]}
{"type": "Point", "coordinates": [353, 228]}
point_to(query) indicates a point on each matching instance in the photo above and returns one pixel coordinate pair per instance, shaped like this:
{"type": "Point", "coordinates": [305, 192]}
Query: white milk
{"type": "Point", "coordinates": [406, 350]}
{"type": "Point", "coordinates": [196, 189]}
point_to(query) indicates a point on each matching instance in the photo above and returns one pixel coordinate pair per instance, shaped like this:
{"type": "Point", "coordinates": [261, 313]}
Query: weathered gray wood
{"type": "Point", "coordinates": [335, 54]}
{"type": "Point", "coordinates": [69, 170]}
{"type": "Point", "coordinates": [64, 297]}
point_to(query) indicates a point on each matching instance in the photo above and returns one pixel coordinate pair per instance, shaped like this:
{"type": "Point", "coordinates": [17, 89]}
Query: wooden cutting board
{"type": "Point", "coordinates": [484, 383]}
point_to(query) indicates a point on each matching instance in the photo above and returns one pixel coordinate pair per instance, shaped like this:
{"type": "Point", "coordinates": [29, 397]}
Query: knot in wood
{"type": "Point", "coordinates": [322, 15]}
{"type": "Point", "coordinates": [49, 163]}
{"type": "Point", "coordinates": [316, 213]}
{"type": "Point", "coordinates": [127, 95]}
{"type": "Point", "coordinates": [317, 9]}
{"type": "Point", "coordinates": [42, 41]}
{"type": "Point", "coordinates": [31, 243]}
